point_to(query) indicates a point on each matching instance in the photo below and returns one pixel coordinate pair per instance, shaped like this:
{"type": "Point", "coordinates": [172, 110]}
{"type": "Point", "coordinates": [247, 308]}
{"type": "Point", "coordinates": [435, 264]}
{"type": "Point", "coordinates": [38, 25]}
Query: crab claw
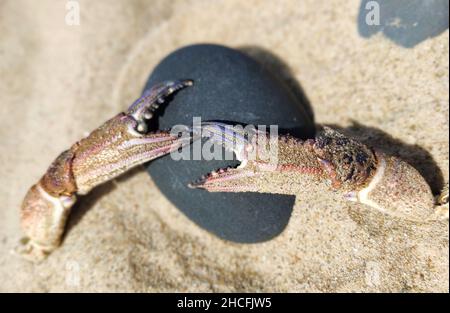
{"type": "Point", "coordinates": [144, 108]}
{"type": "Point", "coordinates": [265, 160]}
{"type": "Point", "coordinates": [329, 162]}
{"type": "Point", "coordinates": [118, 145]}
{"type": "Point", "coordinates": [232, 139]}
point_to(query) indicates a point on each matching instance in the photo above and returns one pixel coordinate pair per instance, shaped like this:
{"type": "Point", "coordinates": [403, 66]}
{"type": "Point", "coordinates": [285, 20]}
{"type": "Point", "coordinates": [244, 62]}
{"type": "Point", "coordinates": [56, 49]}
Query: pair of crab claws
{"type": "Point", "coordinates": [124, 141]}
{"type": "Point", "coordinates": [143, 110]}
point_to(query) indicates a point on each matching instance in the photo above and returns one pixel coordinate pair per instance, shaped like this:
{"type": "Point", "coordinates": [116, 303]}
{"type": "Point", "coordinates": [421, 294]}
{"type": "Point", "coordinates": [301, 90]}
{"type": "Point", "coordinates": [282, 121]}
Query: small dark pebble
{"type": "Point", "coordinates": [405, 22]}
{"type": "Point", "coordinates": [228, 86]}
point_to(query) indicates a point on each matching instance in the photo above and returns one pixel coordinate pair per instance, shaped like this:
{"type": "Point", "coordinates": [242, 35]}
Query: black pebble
{"type": "Point", "coordinates": [229, 86]}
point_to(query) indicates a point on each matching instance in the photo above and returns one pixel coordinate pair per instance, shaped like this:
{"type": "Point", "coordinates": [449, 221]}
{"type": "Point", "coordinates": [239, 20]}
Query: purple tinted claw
{"type": "Point", "coordinates": [233, 138]}
{"type": "Point", "coordinates": [241, 141]}
{"type": "Point", "coordinates": [118, 145]}
{"type": "Point", "coordinates": [144, 107]}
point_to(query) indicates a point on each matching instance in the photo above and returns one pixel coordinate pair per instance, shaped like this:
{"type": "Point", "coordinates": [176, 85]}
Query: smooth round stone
{"type": "Point", "coordinates": [228, 86]}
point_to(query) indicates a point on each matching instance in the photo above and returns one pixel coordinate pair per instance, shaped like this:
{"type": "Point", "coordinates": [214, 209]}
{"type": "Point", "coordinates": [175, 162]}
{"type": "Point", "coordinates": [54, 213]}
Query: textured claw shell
{"type": "Point", "coordinates": [399, 190]}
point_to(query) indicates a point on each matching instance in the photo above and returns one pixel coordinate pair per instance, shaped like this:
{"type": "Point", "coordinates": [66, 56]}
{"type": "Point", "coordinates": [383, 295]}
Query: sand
{"type": "Point", "coordinates": [59, 82]}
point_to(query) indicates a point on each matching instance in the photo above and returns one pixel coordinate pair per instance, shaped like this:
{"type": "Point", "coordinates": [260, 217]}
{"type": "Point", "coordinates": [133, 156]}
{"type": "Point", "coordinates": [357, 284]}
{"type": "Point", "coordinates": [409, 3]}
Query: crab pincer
{"type": "Point", "coordinates": [118, 145]}
{"type": "Point", "coordinates": [329, 162]}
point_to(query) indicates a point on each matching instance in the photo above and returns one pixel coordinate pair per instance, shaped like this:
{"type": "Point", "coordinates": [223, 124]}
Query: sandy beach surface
{"type": "Point", "coordinates": [58, 82]}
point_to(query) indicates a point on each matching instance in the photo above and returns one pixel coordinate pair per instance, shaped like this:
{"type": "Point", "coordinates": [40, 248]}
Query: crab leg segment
{"type": "Point", "coordinates": [118, 145]}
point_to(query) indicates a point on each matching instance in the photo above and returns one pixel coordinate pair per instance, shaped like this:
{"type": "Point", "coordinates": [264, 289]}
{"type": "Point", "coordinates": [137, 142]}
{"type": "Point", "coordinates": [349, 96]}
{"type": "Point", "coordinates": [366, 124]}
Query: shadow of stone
{"type": "Point", "coordinates": [415, 155]}
{"type": "Point", "coordinates": [405, 22]}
